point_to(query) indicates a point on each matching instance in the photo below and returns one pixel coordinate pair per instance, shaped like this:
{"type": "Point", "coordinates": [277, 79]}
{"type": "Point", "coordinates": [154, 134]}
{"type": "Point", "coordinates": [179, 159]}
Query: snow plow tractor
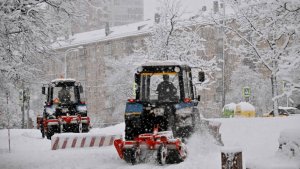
{"type": "Point", "coordinates": [165, 101]}
{"type": "Point", "coordinates": [64, 111]}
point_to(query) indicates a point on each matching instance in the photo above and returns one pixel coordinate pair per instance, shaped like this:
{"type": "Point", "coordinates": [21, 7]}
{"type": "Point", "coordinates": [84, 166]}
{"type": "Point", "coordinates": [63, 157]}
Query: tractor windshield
{"type": "Point", "coordinates": [64, 94]}
{"type": "Point", "coordinates": [162, 87]}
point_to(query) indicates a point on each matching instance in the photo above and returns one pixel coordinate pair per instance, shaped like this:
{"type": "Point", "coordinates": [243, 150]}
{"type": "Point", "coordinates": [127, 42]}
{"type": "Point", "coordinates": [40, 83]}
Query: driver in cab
{"type": "Point", "coordinates": [166, 90]}
{"type": "Point", "coordinates": [64, 94]}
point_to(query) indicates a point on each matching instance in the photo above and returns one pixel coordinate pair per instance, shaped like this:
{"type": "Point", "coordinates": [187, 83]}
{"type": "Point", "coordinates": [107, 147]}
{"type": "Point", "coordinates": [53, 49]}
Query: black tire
{"type": "Point", "coordinates": [43, 133]}
{"type": "Point", "coordinates": [174, 157]}
{"type": "Point", "coordinates": [162, 154]}
{"type": "Point", "coordinates": [85, 128]}
{"type": "Point", "coordinates": [50, 134]}
{"type": "Point", "coordinates": [131, 155]}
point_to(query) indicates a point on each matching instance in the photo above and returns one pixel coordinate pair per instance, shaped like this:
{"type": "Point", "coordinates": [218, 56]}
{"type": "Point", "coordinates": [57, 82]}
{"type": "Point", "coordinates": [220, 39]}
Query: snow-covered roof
{"type": "Point", "coordinates": [163, 63]}
{"type": "Point", "coordinates": [287, 108]}
{"type": "Point", "coordinates": [116, 32]}
{"type": "Point", "coordinates": [63, 80]}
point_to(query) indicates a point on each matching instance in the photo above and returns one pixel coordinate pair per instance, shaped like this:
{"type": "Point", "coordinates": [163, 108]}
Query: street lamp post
{"type": "Point", "coordinates": [223, 56]}
{"type": "Point", "coordinates": [65, 59]}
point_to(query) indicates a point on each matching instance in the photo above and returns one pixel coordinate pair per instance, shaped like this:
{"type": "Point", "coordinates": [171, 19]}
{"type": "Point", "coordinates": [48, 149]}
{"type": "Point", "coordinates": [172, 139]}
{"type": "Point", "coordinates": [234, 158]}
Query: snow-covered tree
{"type": "Point", "coordinates": [269, 34]}
{"type": "Point", "coordinates": [120, 87]}
{"type": "Point", "coordinates": [26, 31]}
{"type": "Point", "coordinates": [175, 36]}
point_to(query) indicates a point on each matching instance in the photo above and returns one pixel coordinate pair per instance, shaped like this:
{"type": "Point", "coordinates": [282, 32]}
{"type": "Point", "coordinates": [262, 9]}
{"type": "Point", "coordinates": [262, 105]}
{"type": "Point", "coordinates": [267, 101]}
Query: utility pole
{"type": "Point", "coordinates": [27, 97]}
{"type": "Point", "coordinates": [223, 57]}
{"type": "Point", "coordinates": [22, 99]}
{"type": "Point", "coordinates": [8, 121]}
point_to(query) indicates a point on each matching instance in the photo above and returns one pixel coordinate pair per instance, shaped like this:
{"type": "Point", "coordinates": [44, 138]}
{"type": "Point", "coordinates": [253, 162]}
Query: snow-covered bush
{"type": "Point", "coordinates": [229, 109]}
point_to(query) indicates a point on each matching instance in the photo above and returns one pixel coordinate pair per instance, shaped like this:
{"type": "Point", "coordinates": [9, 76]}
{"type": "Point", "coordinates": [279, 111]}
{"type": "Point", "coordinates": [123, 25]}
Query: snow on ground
{"type": "Point", "coordinates": [257, 137]}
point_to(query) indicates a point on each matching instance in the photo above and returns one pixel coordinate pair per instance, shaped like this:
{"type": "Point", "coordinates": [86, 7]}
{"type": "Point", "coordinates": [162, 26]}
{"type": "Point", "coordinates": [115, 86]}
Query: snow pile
{"type": "Point", "coordinates": [118, 129]}
{"type": "Point", "coordinates": [287, 108]}
{"type": "Point", "coordinates": [203, 153]}
{"type": "Point", "coordinates": [289, 142]}
{"type": "Point", "coordinates": [245, 106]}
{"type": "Point", "coordinates": [258, 138]}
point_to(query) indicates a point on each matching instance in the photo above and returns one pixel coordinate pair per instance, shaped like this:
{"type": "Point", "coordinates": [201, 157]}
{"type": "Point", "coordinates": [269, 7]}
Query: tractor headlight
{"type": "Point", "coordinates": [64, 110]}
{"type": "Point", "coordinates": [50, 110]}
{"type": "Point", "coordinates": [177, 69]}
{"type": "Point", "coordinates": [184, 112]}
{"type": "Point", "coordinates": [139, 69]}
{"type": "Point", "coordinates": [81, 109]}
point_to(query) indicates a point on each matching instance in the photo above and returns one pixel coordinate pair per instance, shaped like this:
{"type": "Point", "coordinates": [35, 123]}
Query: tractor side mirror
{"type": "Point", "coordinates": [201, 76]}
{"type": "Point", "coordinates": [43, 90]}
{"type": "Point", "coordinates": [80, 89]}
{"type": "Point", "coordinates": [199, 98]}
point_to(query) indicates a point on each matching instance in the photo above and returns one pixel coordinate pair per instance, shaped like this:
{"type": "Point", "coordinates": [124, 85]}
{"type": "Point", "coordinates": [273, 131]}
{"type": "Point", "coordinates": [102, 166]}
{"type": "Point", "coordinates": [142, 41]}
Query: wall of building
{"type": "Point", "coordinates": [95, 14]}
{"type": "Point", "coordinates": [88, 65]}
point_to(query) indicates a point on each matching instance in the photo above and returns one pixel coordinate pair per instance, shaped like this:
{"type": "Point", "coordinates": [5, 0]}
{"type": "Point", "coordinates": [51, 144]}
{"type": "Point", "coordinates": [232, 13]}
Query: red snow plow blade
{"type": "Point", "coordinates": [161, 145]}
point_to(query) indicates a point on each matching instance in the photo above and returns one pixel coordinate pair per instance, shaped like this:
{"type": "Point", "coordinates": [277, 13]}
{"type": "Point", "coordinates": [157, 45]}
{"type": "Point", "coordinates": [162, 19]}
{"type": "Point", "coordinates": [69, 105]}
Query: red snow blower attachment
{"type": "Point", "coordinates": [160, 145]}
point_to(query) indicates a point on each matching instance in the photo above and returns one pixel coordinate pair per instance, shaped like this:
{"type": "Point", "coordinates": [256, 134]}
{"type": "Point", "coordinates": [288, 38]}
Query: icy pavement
{"type": "Point", "coordinates": [257, 137]}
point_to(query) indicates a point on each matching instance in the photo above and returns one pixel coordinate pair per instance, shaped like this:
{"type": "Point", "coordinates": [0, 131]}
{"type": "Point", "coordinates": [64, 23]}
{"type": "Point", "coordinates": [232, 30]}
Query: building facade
{"type": "Point", "coordinates": [96, 14]}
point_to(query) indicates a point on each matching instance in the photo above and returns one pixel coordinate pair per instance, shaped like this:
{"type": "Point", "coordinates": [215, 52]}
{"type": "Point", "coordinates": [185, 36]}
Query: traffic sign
{"type": "Point", "coordinates": [246, 91]}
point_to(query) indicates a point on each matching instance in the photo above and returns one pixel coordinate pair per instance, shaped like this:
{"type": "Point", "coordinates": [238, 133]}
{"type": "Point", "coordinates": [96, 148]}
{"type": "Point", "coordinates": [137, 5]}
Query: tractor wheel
{"type": "Point", "coordinates": [174, 157]}
{"type": "Point", "coordinates": [132, 155]}
{"type": "Point", "coordinates": [49, 134]}
{"type": "Point", "coordinates": [162, 154]}
{"type": "Point", "coordinates": [85, 128]}
{"type": "Point", "coordinates": [43, 133]}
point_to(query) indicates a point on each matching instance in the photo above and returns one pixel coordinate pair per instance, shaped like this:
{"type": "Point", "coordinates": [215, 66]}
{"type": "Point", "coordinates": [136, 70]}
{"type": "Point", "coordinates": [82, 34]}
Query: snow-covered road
{"type": "Point", "coordinates": [258, 138]}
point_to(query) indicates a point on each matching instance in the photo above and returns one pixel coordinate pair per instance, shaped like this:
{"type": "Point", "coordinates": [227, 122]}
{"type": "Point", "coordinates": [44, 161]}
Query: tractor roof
{"type": "Point", "coordinates": [63, 80]}
{"type": "Point", "coordinates": [164, 63]}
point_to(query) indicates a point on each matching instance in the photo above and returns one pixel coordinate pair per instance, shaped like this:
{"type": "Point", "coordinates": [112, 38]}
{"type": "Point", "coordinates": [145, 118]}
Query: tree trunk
{"type": "Point", "coordinates": [274, 94]}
